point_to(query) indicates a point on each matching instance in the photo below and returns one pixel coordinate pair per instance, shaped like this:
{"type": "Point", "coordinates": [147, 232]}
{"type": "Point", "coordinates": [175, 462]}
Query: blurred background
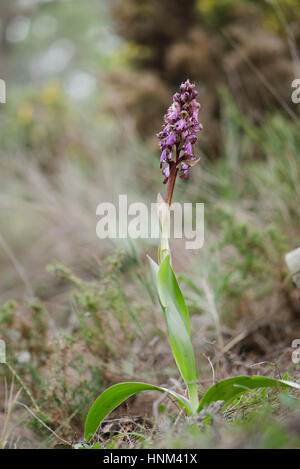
{"type": "Point", "coordinates": [87, 86]}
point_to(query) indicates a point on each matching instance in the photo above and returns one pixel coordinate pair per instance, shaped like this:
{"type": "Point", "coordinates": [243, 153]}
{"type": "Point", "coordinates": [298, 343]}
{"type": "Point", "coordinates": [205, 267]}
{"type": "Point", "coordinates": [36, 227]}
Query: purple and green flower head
{"type": "Point", "coordinates": [179, 134]}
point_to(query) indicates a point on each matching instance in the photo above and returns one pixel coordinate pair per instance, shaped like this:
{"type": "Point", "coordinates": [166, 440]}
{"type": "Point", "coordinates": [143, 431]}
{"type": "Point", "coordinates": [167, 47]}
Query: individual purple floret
{"type": "Point", "coordinates": [178, 136]}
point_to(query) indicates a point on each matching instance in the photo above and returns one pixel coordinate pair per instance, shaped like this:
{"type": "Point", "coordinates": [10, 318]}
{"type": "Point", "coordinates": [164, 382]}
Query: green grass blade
{"type": "Point", "coordinates": [230, 388]}
{"type": "Point", "coordinates": [177, 319]}
{"type": "Point", "coordinates": [114, 396]}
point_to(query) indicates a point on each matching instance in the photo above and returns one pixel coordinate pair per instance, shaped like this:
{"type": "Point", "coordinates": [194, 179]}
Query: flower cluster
{"type": "Point", "coordinates": [178, 136]}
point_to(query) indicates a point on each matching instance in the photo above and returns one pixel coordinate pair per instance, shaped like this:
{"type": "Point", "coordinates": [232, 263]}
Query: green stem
{"type": "Point", "coordinates": [193, 397]}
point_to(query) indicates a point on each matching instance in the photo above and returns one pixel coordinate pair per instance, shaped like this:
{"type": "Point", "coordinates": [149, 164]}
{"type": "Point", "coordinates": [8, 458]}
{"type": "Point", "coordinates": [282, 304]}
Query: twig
{"type": "Point", "coordinates": [212, 368]}
{"type": "Point", "coordinates": [23, 385]}
{"type": "Point", "coordinates": [41, 422]}
{"type": "Point", "coordinates": [235, 341]}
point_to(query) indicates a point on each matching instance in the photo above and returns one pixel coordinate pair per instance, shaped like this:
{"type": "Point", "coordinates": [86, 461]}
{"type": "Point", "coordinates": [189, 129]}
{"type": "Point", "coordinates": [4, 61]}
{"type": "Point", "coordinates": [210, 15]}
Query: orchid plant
{"type": "Point", "coordinates": [177, 140]}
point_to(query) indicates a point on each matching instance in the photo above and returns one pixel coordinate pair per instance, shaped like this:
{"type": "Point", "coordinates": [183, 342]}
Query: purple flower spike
{"type": "Point", "coordinates": [178, 136]}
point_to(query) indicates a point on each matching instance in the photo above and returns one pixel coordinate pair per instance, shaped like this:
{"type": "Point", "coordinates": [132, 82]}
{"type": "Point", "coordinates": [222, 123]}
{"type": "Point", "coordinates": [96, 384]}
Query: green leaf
{"type": "Point", "coordinates": [114, 396]}
{"type": "Point", "coordinates": [154, 270]}
{"type": "Point", "coordinates": [230, 388]}
{"type": "Point", "coordinates": [178, 324]}
{"type": "Point", "coordinates": [170, 292]}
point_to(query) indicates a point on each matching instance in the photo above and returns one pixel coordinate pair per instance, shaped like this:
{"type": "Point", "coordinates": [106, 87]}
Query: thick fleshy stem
{"type": "Point", "coordinates": [171, 183]}
{"type": "Point", "coordinates": [172, 178]}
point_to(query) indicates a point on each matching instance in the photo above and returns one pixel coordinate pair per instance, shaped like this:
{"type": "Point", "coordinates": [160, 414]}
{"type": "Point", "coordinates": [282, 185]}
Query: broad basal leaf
{"type": "Point", "coordinates": [114, 396]}
{"type": "Point", "coordinates": [230, 388]}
